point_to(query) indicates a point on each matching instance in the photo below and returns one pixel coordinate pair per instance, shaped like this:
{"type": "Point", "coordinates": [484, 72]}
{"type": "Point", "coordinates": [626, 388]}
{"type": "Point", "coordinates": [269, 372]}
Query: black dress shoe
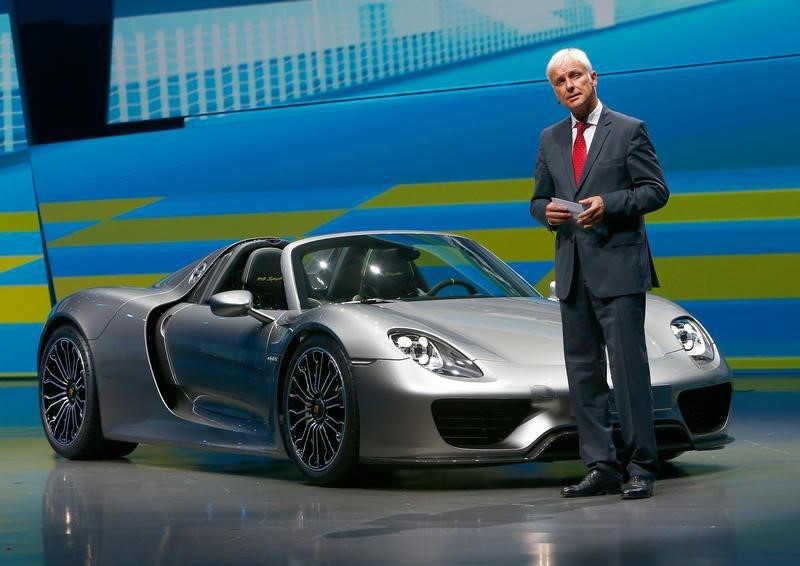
{"type": "Point", "coordinates": [637, 488]}
{"type": "Point", "coordinates": [595, 483]}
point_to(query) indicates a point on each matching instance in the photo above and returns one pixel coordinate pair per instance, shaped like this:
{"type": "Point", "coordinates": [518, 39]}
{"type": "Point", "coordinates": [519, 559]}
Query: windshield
{"type": "Point", "coordinates": [406, 267]}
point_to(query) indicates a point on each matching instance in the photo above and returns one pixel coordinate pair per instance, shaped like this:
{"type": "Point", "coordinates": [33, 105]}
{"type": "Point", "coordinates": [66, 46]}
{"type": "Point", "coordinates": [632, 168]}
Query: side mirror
{"type": "Point", "coordinates": [553, 296]}
{"type": "Point", "coordinates": [236, 303]}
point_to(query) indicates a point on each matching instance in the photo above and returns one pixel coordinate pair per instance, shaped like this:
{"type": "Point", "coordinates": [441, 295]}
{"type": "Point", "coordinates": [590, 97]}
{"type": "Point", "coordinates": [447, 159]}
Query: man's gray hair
{"type": "Point", "coordinates": [568, 55]}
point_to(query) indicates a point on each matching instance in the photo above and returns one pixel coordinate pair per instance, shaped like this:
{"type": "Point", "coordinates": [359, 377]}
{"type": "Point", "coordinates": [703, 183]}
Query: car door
{"type": "Point", "coordinates": [219, 363]}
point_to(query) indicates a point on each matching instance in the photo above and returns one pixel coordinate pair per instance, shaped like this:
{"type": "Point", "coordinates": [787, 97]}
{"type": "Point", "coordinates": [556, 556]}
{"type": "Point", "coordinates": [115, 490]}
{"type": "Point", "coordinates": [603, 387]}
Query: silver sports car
{"type": "Point", "coordinates": [394, 348]}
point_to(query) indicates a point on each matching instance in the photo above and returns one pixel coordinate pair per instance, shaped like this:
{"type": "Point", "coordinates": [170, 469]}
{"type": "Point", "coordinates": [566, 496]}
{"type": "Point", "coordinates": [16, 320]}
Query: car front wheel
{"type": "Point", "coordinates": [68, 401]}
{"type": "Point", "coordinates": [320, 412]}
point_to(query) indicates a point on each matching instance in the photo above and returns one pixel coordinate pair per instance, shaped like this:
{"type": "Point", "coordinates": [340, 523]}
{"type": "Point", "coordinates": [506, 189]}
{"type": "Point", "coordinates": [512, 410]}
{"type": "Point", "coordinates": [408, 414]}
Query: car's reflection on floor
{"type": "Point", "coordinates": [177, 506]}
{"type": "Point", "coordinates": [177, 511]}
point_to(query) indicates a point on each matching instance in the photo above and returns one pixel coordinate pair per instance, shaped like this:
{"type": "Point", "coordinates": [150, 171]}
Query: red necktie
{"type": "Point", "coordinates": [579, 152]}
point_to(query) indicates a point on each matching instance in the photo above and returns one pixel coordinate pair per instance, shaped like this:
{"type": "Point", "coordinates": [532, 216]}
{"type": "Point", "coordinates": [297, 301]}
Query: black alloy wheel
{"type": "Point", "coordinates": [68, 400]}
{"type": "Point", "coordinates": [63, 391]}
{"type": "Point", "coordinates": [320, 412]}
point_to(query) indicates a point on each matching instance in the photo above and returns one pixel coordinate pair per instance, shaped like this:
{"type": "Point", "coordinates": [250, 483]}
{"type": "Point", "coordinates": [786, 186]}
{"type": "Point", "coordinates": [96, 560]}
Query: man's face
{"type": "Point", "coordinates": [575, 88]}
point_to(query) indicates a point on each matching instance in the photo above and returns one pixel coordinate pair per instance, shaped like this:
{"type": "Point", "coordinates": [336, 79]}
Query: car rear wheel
{"type": "Point", "coordinates": [68, 401]}
{"type": "Point", "coordinates": [320, 412]}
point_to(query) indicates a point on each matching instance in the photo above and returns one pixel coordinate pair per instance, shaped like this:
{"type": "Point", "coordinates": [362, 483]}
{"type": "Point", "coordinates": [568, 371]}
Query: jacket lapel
{"type": "Point", "coordinates": [564, 139]}
{"type": "Point", "coordinates": [600, 135]}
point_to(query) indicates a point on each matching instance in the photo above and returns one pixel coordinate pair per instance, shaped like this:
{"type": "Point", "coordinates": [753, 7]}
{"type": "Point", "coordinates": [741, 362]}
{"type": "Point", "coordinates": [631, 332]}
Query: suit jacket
{"type": "Point", "coordinates": [622, 167]}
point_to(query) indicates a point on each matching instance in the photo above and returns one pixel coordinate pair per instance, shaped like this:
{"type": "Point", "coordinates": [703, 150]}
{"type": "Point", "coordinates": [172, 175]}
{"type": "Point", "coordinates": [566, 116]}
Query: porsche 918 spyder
{"type": "Point", "coordinates": [380, 348]}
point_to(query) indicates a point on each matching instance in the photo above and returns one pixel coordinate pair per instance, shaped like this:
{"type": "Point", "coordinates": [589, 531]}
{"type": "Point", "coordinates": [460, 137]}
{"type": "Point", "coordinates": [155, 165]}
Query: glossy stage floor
{"type": "Point", "coordinates": [739, 505]}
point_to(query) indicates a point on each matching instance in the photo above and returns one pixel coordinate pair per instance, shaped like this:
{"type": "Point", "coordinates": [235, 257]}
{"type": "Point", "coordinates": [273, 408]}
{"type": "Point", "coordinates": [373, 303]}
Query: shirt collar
{"type": "Point", "coordinates": [593, 118]}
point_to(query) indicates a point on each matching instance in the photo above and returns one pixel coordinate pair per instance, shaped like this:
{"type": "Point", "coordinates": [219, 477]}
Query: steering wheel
{"type": "Point", "coordinates": [471, 289]}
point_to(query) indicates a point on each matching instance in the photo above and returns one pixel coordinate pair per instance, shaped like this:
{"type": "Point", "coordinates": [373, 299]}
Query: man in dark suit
{"type": "Point", "coordinates": [605, 161]}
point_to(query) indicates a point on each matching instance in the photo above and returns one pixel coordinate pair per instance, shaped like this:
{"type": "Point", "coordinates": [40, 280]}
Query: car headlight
{"type": "Point", "coordinates": [694, 339]}
{"type": "Point", "coordinates": [434, 355]}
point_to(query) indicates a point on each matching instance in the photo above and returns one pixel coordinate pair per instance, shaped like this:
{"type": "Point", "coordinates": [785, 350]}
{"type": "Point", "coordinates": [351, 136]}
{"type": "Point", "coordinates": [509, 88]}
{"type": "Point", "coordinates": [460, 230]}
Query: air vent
{"type": "Point", "coordinates": [477, 423]}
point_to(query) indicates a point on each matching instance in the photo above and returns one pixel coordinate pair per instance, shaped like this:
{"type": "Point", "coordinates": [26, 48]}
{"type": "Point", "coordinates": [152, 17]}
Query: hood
{"type": "Point", "coordinates": [516, 329]}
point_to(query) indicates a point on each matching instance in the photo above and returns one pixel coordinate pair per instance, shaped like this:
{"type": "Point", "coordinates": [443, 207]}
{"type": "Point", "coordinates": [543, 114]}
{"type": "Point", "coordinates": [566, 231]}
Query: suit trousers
{"type": "Point", "coordinates": [590, 325]}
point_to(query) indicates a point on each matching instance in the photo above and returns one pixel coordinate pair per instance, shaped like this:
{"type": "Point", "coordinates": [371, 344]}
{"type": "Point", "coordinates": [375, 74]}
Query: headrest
{"type": "Point", "coordinates": [262, 272]}
{"type": "Point", "coordinates": [390, 273]}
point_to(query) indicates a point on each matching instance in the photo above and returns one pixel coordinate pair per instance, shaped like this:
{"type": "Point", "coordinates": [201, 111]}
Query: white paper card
{"type": "Point", "coordinates": [573, 207]}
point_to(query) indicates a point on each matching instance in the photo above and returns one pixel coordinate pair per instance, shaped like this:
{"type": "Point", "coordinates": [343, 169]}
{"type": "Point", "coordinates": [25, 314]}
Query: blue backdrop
{"type": "Point", "coordinates": [451, 146]}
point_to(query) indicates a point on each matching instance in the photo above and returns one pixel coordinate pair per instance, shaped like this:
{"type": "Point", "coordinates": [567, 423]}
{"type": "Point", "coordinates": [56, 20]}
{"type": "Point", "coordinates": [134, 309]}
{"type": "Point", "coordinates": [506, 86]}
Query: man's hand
{"type": "Point", "coordinates": [594, 212]}
{"type": "Point", "coordinates": [557, 215]}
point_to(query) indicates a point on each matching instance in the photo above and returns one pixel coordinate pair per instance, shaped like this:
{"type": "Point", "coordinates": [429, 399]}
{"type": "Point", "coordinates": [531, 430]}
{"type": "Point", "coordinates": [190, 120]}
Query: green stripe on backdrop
{"type": "Point", "coordinates": [693, 207]}
{"type": "Point", "coordinates": [88, 210]}
{"type": "Point", "coordinates": [197, 228]}
{"type": "Point", "coordinates": [457, 192]}
{"type": "Point", "coordinates": [23, 304]}
{"type": "Point", "coordinates": [751, 276]}
{"type": "Point", "coordinates": [764, 276]}
{"type": "Point", "coordinates": [65, 285]}
{"type": "Point", "coordinates": [756, 364]}
{"type": "Point", "coordinates": [686, 207]}
{"type": "Point", "coordinates": [9, 262]}
{"type": "Point", "coordinates": [731, 205]}
{"type": "Point", "coordinates": [19, 222]}
{"type": "Point", "coordinates": [516, 244]}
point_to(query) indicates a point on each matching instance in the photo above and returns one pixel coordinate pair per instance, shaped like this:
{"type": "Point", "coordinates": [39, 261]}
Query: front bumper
{"type": "Point", "coordinates": [401, 423]}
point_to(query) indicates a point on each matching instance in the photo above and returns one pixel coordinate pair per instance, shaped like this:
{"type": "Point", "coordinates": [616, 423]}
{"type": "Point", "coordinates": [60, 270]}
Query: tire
{"type": "Point", "coordinates": [68, 402]}
{"type": "Point", "coordinates": [320, 423]}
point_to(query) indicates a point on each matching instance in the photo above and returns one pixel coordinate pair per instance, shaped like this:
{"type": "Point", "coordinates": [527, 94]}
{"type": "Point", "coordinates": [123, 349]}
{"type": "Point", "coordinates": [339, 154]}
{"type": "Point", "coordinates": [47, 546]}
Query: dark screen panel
{"type": "Point", "coordinates": [63, 54]}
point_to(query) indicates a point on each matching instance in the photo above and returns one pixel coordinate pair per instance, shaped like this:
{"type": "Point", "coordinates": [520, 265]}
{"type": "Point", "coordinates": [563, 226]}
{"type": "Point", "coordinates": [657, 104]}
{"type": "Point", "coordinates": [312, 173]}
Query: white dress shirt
{"type": "Point", "coordinates": [591, 126]}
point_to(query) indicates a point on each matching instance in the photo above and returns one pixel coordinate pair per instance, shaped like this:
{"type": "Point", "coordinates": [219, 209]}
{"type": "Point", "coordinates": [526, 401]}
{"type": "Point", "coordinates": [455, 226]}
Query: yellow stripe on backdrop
{"type": "Point", "coordinates": [198, 228]}
{"type": "Point", "coordinates": [89, 210]}
{"type": "Point", "coordinates": [685, 207]}
{"type": "Point", "coordinates": [19, 222]}
{"type": "Point", "coordinates": [764, 276]}
{"type": "Point", "coordinates": [24, 303]}
{"type": "Point", "coordinates": [695, 207]}
{"type": "Point", "coordinates": [756, 364]}
{"type": "Point", "coordinates": [734, 205]}
{"type": "Point", "coordinates": [457, 192]}
{"type": "Point", "coordinates": [683, 278]}
{"type": "Point", "coordinates": [721, 277]}
{"type": "Point", "coordinates": [516, 244]}
{"type": "Point", "coordinates": [9, 262]}
{"type": "Point", "coordinates": [66, 285]}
